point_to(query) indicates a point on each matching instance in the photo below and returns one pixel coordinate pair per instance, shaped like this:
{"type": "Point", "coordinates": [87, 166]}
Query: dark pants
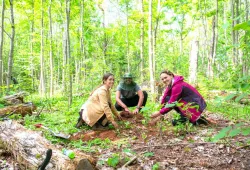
{"type": "Point", "coordinates": [131, 102]}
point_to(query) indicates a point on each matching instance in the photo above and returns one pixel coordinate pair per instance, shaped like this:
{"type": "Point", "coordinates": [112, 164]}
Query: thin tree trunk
{"type": "Point", "coordinates": [155, 35]}
{"type": "Point", "coordinates": [142, 42]}
{"type": "Point", "coordinates": [245, 65]}
{"type": "Point", "coordinates": [51, 53]}
{"type": "Point", "coordinates": [10, 61]}
{"type": "Point", "coordinates": [82, 42]}
{"type": "Point", "coordinates": [150, 47]}
{"type": "Point", "coordinates": [214, 43]}
{"type": "Point", "coordinates": [127, 38]}
{"type": "Point", "coordinates": [32, 70]}
{"type": "Point", "coordinates": [193, 62]}
{"type": "Point", "coordinates": [233, 33]}
{"type": "Point", "coordinates": [42, 72]}
{"type": "Point", "coordinates": [68, 52]}
{"type": "Point", "coordinates": [104, 48]}
{"type": "Point", "coordinates": [1, 45]}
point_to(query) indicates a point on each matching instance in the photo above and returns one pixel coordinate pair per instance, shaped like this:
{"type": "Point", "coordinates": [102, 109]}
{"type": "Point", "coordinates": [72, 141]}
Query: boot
{"type": "Point", "coordinates": [79, 121]}
{"type": "Point", "coordinates": [202, 121]}
{"type": "Point", "coordinates": [179, 121]}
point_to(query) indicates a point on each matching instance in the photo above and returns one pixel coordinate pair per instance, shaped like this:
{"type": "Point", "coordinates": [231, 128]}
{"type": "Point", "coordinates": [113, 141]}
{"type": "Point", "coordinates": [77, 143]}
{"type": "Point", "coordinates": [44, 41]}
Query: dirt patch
{"type": "Point", "coordinates": [171, 147]}
{"type": "Point", "coordinates": [90, 135]}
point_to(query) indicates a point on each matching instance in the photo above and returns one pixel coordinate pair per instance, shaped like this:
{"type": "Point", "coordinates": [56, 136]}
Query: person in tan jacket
{"type": "Point", "coordinates": [97, 110]}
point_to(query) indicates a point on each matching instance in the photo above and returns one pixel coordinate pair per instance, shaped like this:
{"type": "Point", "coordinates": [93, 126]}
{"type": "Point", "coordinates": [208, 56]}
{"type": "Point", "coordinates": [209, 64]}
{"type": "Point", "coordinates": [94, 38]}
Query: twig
{"type": "Point", "coordinates": [242, 147]}
{"type": "Point", "coordinates": [38, 114]}
{"type": "Point", "coordinates": [174, 144]}
{"type": "Point", "coordinates": [129, 162]}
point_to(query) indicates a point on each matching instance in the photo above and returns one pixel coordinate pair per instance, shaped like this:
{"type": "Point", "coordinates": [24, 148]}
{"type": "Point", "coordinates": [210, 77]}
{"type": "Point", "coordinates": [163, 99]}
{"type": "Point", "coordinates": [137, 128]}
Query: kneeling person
{"type": "Point", "coordinates": [129, 94]}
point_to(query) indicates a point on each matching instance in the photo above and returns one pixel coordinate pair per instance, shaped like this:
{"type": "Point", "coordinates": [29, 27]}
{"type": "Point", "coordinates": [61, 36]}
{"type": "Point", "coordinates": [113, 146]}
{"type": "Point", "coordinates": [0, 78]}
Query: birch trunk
{"type": "Point", "coordinates": [32, 70]}
{"type": "Point", "coordinates": [1, 45]}
{"type": "Point", "coordinates": [42, 89]}
{"type": "Point", "coordinates": [82, 43]}
{"type": "Point", "coordinates": [127, 38]}
{"type": "Point", "coordinates": [245, 65]}
{"type": "Point", "coordinates": [193, 62]}
{"type": "Point", "coordinates": [142, 41]}
{"type": "Point", "coordinates": [150, 49]}
{"type": "Point", "coordinates": [68, 53]}
{"type": "Point", "coordinates": [233, 34]}
{"type": "Point", "coordinates": [10, 61]}
{"type": "Point", "coordinates": [51, 53]}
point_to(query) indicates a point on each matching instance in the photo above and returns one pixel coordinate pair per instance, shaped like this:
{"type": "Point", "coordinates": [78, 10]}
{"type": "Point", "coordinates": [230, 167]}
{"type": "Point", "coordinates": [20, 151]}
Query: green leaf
{"type": "Point", "coordinates": [230, 97]}
{"type": "Point", "coordinates": [240, 97]}
{"type": "Point", "coordinates": [1, 106]}
{"type": "Point", "coordinates": [234, 132]}
{"type": "Point", "coordinates": [149, 154]}
{"type": "Point", "coordinates": [144, 109]}
{"type": "Point", "coordinates": [245, 26]}
{"type": "Point", "coordinates": [170, 105]}
{"type": "Point", "coordinates": [156, 166]}
{"type": "Point", "coordinates": [113, 161]}
{"type": "Point", "coordinates": [245, 131]}
{"type": "Point", "coordinates": [222, 134]}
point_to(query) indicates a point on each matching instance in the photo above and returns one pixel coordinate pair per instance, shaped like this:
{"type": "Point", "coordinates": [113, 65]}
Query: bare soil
{"type": "Point", "coordinates": [173, 148]}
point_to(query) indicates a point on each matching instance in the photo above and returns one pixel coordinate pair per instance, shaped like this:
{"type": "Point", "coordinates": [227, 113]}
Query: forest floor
{"type": "Point", "coordinates": [161, 146]}
{"type": "Point", "coordinates": [172, 148]}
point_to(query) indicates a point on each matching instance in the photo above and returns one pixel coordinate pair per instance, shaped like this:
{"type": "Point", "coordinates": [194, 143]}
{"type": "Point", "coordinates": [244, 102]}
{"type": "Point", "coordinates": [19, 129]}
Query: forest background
{"type": "Point", "coordinates": [58, 51]}
{"type": "Point", "coordinates": [64, 47]}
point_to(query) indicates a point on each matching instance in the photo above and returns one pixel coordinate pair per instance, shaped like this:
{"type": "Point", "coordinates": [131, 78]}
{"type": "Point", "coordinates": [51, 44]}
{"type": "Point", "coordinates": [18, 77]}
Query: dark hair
{"type": "Point", "coordinates": [167, 72]}
{"type": "Point", "coordinates": [106, 76]}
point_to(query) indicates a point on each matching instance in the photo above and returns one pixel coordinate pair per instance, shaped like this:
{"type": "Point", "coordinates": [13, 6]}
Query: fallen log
{"type": "Point", "coordinates": [15, 98]}
{"type": "Point", "coordinates": [23, 109]}
{"type": "Point", "coordinates": [29, 148]}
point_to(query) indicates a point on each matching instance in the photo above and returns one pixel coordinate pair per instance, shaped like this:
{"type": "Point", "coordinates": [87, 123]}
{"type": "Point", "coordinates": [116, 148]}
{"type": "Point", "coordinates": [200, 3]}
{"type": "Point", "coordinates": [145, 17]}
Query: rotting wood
{"type": "Point", "coordinates": [23, 109]}
{"type": "Point", "coordinates": [29, 148]}
{"type": "Point", "coordinates": [15, 98]}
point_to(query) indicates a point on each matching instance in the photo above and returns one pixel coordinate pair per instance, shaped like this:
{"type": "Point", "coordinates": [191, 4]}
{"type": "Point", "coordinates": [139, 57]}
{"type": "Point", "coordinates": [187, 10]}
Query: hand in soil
{"type": "Point", "coordinates": [155, 114]}
{"type": "Point", "coordinates": [153, 121]}
{"type": "Point", "coordinates": [115, 124]}
{"type": "Point", "coordinates": [136, 111]}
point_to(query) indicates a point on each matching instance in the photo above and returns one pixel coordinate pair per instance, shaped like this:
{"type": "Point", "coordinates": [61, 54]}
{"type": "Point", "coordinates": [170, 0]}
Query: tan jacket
{"type": "Point", "coordinates": [97, 105]}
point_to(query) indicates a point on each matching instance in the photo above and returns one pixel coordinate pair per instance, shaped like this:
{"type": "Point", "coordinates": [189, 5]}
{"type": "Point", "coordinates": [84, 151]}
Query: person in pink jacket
{"type": "Point", "coordinates": [183, 98]}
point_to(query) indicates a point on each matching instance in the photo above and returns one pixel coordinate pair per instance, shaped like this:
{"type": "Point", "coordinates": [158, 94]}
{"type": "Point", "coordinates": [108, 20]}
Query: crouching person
{"type": "Point", "coordinates": [183, 98]}
{"type": "Point", "coordinates": [97, 110]}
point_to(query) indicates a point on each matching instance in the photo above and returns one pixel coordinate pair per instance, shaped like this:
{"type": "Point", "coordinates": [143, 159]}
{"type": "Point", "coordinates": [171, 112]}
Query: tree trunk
{"type": "Point", "coordinates": [233, 34]}
{"type": "Point", "coordinates": [193, 62]}
{"type": "Point", "coordinates": [142, 42]}
{"type": "Point", "coordinates": [29, 148]}
{"type": "Point", "coordinates": [82, 43]}
{"type": "Point", "coordinates": [127, 39]}
{"type": "Point", "coordinates": [68, 53]}
{"type": "Point", "coordinates": [150, 47]}
{"type": "Point", "coordinates": [10, 61]}
{"type": "Point", "coordinates": [155, 35]}
{"type": "Point", "coordinates": [1, 45]}
{"type": "Point", "coordinates": [245, 65]}
{"type": "Point", "coordinates": [42, 89]}
{"type": "Point", "coordinates": [32, 70]}
{"type": "Point", "coordinates": [51, 53]}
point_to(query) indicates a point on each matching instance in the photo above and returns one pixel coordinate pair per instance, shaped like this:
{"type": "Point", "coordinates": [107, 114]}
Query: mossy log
{"type": "Point", "coordinates": [29, 148]}
{"type": "Point", "coordinates": [23, 109]}
{"type": "Point", "coordinates": [14, 99]}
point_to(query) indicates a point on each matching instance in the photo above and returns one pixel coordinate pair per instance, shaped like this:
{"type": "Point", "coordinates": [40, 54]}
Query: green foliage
{"type": "Point", "coordinates": [114, 160]}
{"type": "Point", "coordinates": [156, 166]}
{"type": "Point", "coordinates": [232, 131]}
{"type": "Point", "coordinates": [148, 154]}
